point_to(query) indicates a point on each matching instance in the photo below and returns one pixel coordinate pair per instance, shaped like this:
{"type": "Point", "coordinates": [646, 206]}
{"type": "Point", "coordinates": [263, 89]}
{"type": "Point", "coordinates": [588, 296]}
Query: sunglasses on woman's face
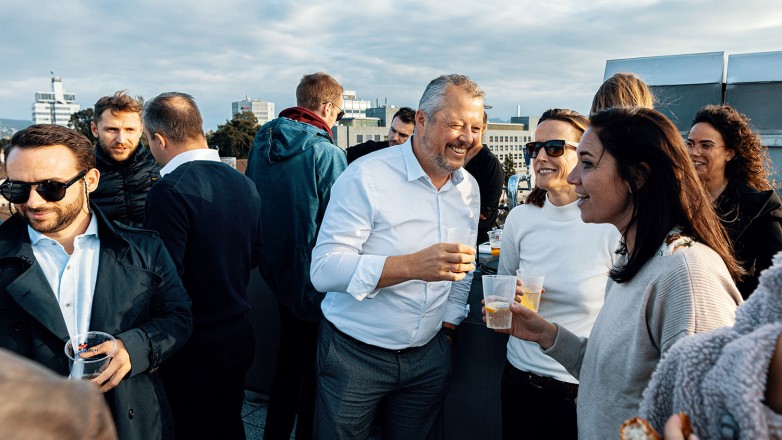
{"type": "Point", "coordinates": [49, 190]}
{"type": "Point", "coordinates": [554, 147]}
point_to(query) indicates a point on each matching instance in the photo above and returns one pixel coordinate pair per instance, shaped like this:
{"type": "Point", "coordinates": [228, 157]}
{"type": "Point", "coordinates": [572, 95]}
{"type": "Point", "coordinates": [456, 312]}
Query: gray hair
{"type": "Point", "coordinates": [175, 115]}
{"type": "Point", "coordinates": [434, 96]}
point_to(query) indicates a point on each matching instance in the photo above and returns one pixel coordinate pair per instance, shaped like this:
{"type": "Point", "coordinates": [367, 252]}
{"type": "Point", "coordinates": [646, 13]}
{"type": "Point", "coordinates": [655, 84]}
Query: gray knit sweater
{"type": "Point", "coordinates": [719, 378]}
{"type": "Point", "coordinates": [672, 296]}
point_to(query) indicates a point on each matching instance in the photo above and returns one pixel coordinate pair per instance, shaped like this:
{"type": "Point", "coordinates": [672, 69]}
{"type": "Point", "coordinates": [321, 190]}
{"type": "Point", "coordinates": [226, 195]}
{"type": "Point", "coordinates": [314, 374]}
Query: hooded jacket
{"type": "Point", "coordinates": [293, 164]}
{"type": "Point", "coordinates": [123, 186]}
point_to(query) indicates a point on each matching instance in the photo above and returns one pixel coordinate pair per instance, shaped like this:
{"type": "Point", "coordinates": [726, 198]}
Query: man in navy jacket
{"type": "Point", "coordinates": [209, 217]}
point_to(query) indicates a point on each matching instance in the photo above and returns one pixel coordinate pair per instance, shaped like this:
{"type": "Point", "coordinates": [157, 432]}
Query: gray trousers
{"type": "Point", "coordinates": [353, 378]}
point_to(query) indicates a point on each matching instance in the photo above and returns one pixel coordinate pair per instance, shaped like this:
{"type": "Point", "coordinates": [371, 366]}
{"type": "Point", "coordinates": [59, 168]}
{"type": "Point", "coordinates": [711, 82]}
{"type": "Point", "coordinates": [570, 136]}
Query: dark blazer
{"type": "Point", "coordinates": [753, 220]}
{"type": "Point", "coordinates": [138, 298]}
{"type": "Point", "coordinates": [363, 149]}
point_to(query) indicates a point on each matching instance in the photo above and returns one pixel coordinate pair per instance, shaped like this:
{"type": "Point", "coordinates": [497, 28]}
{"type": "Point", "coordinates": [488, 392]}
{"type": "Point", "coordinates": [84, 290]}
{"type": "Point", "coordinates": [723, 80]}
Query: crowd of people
{"type": "Point", "coordinates": [650, 243]}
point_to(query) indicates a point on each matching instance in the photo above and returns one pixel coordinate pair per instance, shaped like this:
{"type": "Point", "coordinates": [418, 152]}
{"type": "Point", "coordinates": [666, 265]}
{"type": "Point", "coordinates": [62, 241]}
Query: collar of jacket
{"type": "Point", "coordinates": [140, 154]}
{"type": "Point", "coordinates": [15, 241]}
{"type": "Point", "coordinates": [306, 116]}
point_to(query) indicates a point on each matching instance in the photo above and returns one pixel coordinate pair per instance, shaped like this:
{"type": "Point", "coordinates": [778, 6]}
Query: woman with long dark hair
{"type": "Point", "coordinates": [545, 235]}
{"type": "Point", "coordinates": [674, 277]}
{"type": "Point", "coordinates": [733, 165]}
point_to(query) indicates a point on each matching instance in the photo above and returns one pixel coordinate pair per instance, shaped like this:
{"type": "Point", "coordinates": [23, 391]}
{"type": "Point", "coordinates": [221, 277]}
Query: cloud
{"type": "Point", "coordinates": [534, 54]}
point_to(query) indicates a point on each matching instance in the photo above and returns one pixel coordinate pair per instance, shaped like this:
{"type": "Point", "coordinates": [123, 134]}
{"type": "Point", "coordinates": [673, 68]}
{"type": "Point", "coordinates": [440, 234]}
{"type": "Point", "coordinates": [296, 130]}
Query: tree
{"type": "Point", "coordinates": [235, 137]}
{"type": "Point", "coordinates": [80, 121]}
{"type": "Point", "coordinates": [508, 168]}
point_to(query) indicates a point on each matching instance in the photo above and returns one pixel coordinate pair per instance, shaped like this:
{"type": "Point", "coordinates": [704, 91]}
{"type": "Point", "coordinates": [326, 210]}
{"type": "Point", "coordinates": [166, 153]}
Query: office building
{"type": "Point", "coordinates": [55, 107]}
{"type": "Point", "coordinates": [263, 111]}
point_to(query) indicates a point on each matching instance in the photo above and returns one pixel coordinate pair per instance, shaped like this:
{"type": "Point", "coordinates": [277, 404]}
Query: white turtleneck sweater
{"type": "Point", "coordinates": [575, 258]}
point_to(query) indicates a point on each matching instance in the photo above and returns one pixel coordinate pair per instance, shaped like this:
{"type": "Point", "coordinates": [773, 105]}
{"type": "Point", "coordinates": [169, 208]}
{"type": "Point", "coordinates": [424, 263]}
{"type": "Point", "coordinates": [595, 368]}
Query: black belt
{"type": "Point", "coordinates": [544, 382]}
{"type": "Point", "coordinates": [365, 345]}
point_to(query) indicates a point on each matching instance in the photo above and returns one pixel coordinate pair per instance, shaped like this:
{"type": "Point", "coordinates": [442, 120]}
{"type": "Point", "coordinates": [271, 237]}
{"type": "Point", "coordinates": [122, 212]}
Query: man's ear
{"type": "Point", "coordinates": [94, 129]}
{"type": "Point", "coordinates": [92, 177]}
{"type": "Point", "coordinates": [421, 118]}
{"type": "Point", "coordinates": [162, 140]}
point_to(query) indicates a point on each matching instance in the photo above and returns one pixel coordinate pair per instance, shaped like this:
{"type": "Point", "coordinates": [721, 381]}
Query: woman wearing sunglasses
{"type": "Point", "coordinates": [733, 164]}
{"type": "Point", "coordinates": [674, 276]}
{"type": "Point", "coordinates": [546, 235]}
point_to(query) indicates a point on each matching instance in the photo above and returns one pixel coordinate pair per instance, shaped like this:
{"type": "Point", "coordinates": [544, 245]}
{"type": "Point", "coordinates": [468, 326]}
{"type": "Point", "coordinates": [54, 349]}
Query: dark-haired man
{"type": "Point", "coordinates": [127, 169]}
{"type": "Point", "coordinates": [209, 217]}
{"type": "Point", "coordinates": [401, 128]}
{"type": "Point", "coordinates": [293, 164]}
{"type": "Point", "coordinates": [65, 270]}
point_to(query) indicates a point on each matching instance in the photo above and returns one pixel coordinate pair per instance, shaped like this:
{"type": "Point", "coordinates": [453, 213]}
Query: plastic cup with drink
{"type": "Point", "coordinates": [80, 349]}
{"type": "Point", "coordinates": [498, 294]}
{"type": "Point", "coordinates": [531, 287]}
{"type": "Point", "coordinates": [495, 240]}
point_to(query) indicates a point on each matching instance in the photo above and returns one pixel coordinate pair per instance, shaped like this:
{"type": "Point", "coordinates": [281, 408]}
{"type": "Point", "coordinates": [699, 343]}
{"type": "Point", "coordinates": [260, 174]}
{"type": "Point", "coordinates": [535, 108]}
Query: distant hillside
{"type": "Point", "coordinates": [17, 124]}
{"type": "Point", "coordinates": [10, 126]}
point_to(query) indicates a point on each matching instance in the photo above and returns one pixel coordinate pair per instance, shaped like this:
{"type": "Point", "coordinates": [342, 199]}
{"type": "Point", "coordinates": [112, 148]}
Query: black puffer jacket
{"type": "Point", "coordinates": [123, 186]}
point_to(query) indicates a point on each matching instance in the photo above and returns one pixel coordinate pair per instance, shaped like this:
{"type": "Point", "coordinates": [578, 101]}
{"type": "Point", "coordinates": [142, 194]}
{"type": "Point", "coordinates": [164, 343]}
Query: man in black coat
{"type": "Point", "coordinates": [127, 169]}
{"type": "Point", "coordinates": [209, 216]}
{"type": "Point", "coordinates": [65, 270]}
{"type": "Point", "coordinates": [401, 128]}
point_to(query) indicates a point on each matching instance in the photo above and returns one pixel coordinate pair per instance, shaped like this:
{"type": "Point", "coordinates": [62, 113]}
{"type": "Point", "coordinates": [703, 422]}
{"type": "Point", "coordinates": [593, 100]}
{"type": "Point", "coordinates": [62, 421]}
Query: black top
{"type": "Point", "coordinates": [367, 147]}
{"type": "Point", "coordinates": [209, 217]}
{"type": "Point", "coordinates": [123, 186]}
{"type": "Point", "coordinates": [753, 220]}
{"type": "Point", "coordinates": [486, 169]}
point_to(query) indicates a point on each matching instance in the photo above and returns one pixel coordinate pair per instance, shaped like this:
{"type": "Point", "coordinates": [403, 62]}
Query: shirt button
{"type": "Point", "coordinates": [67, 304]}
{"type": "Point", "coordinates": [67, 267]}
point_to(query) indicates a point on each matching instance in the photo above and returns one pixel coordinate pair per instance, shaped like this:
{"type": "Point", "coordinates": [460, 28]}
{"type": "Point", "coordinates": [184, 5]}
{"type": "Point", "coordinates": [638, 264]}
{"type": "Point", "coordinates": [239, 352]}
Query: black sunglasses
{"type": "Point", "coordinates": [49, 190]}
{"type": "Point", "coordinates": [554, 147]}
{"type": "Point", "coordinates": [341, 112]}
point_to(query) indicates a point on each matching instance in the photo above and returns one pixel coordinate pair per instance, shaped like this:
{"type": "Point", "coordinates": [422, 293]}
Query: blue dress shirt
{"type": "Point", "coordinates": [71, 277]}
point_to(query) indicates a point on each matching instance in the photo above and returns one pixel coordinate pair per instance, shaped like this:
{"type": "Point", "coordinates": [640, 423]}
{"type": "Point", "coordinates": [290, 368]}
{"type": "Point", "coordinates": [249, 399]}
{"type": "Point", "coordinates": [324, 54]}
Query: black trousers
{"type": "Point", "coordinates": [535, 407]}
{"type": "Point", "coordinates": [293, 387]}
{"type": "Point", "coordinates": [205, 386]}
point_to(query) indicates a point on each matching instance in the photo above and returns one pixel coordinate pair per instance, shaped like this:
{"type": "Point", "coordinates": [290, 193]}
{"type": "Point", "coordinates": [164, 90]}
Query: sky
{"type": "Point", "coordinates": [533, 54]}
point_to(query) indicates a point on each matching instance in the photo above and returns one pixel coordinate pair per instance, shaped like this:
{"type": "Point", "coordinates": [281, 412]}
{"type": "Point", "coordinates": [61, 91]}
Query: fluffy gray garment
{"type": "Point", "coordinates": [719, 378]}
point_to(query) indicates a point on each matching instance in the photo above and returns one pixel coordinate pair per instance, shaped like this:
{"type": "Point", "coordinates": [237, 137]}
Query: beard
{"type": "Point", "coordinates": [64, 216]}
{"type": "Point", "coordinates": [118, 155]}
{"type": "Point", "coordinates": [438, 157]}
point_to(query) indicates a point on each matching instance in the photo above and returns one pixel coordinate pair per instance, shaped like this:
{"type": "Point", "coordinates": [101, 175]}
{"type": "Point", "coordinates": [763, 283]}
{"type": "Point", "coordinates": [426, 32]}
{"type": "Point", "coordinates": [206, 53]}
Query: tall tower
{"type": "Point", "coordinates": [55, 107]}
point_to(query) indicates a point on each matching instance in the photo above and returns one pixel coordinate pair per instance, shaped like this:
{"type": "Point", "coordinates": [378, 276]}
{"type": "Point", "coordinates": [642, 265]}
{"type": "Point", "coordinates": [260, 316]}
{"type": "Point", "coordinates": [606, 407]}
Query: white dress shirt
{"type": "Point", "coordinates": [71, 277]}
{"type": "Point", "coordinates": [384, 205]}
{"type": "Point", "coordinates": [190, 156]}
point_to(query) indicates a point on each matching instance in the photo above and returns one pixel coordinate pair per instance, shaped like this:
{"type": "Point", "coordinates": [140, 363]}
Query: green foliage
{"type": "Point", "coordinates": [235, 137]}
{"type": "Point", "coordinates": [508, 168]}
{"type": "Point", "coordinates": [80, 121]}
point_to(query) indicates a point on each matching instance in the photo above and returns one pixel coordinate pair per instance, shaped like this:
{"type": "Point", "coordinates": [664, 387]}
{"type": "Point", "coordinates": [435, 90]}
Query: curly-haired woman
{"type": "Point", "coordinates": [733, 165]}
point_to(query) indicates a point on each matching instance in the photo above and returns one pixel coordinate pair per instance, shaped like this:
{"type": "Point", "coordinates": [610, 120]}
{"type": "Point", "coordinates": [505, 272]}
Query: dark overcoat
{"type": "Point", "coordinates": [138, 298]}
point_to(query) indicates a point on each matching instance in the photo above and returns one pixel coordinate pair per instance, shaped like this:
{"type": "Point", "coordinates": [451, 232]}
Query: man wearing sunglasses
{"type": "Point", "coordinates": [293, 164]}
{"type": "Point", "coordinates": [65, 270]}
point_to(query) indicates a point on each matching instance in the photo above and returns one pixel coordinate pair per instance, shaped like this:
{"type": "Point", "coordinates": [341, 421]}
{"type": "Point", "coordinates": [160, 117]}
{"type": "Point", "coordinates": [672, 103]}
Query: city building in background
{"type": "Point", "coordinates": [263, 110]}
{"type": "Point", "coordinates": [508, 139]}
{"type": "Point", "coordinates": [372, 125]}
{"type": "Point", "coordinates": [55, 107]}
{"type": "Point", "coordinates": [354, 107]}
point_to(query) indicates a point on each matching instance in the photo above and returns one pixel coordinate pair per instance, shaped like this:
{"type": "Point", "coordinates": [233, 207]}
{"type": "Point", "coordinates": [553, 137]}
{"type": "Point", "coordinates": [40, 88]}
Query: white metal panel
{"type": "Point", "coordinates": [755, 67]}
{"type": "Point", "coordinates": [701, 68]}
